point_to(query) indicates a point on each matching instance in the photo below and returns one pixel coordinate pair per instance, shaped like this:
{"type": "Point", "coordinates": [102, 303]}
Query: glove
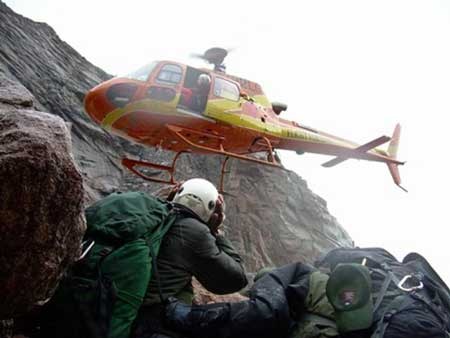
{"type": "Point", "coordinates": [176, 314]}
{"type": "Point", "coordinates": [218, 216]}
{"type": "Point", "coordinates": [198, 321]}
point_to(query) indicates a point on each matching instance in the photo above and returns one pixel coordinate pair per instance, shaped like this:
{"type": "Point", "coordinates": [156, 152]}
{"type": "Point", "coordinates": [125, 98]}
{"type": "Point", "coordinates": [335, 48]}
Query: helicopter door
{"type": "Point", "coordinates": [164, 87]}
{"type": "Point", "coordinates": [195, 91]}
{"type": "Point", "coordinates": [224, 101]}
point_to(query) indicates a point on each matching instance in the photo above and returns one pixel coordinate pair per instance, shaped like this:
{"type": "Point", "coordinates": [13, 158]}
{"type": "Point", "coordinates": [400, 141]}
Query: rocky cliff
{"type": "Point", "coordinates": [272, 216]}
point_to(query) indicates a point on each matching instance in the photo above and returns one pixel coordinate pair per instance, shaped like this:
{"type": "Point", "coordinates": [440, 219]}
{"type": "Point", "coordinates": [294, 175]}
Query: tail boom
{"type": "Point", "coordinates": [364, 152]}
{"type": "Point", "coordinates": [357, 151]}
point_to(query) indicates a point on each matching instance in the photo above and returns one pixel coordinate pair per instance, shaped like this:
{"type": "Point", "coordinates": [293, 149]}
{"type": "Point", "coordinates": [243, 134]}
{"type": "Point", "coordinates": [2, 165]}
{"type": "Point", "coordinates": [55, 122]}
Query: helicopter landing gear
{"type": "Point", "coordinates": [261, 144]}
{"type": "Point", "coordinates": [132, 165]}
{"type": "Point", "coordinates": [274, 155]}
{"type": "Point", "coordinates": [223, 172]}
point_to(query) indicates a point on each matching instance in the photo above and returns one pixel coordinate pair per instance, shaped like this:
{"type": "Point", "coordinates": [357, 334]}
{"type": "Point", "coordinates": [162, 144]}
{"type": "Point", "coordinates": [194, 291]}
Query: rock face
{"type": "Point", "coordinates": [41, 205]}
{"type": "Point", "coordinates": [276, 219]}
{"type": "Point", "coordinates": [273, 217]}
{"type": "Point", "coordinates": [57, 76]}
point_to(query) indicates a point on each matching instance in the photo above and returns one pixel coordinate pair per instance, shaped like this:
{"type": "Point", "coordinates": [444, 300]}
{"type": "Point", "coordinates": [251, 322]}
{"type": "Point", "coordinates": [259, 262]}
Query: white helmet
{"type": "Point", "coordinates": [204, 81]}
{"type": "Point", "coordinates": [199, 195]}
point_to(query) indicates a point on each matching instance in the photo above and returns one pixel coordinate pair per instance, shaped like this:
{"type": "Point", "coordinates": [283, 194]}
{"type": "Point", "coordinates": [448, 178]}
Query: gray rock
{"type": "Point", "coordinates": [41, 207]}
{"type": "Point", "coordinates": [13, 93]}
{"type": "Point", "coordinates": [276, 219]}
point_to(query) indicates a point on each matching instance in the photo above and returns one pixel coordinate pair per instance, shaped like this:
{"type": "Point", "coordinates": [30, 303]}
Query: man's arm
{"type": "Point", "coordinates": [266, 314]}
{"type": "Point", "coordinates": [225, 245]}
{"type": "Point", "coordinates": [214, 261]}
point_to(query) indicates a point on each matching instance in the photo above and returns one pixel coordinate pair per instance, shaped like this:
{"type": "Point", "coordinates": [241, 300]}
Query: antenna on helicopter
{"type": "Point", "coordinates": [214, 56]}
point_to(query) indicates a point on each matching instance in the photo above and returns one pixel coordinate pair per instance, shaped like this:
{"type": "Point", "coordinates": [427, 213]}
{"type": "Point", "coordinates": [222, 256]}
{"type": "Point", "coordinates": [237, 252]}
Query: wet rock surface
{"type": "Point", "coordinates": [13, 93]}
{"type": "Point", "coordinates": [41, 207]}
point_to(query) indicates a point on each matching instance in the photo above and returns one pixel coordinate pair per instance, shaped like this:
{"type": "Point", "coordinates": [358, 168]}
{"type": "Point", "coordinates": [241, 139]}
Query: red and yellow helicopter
{"type": "Point", "coordinates": [179, 108]}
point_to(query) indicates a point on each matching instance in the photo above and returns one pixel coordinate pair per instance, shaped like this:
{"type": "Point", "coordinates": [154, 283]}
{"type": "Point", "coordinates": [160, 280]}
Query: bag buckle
{"type": "Point", "coordinates": [401, 284]}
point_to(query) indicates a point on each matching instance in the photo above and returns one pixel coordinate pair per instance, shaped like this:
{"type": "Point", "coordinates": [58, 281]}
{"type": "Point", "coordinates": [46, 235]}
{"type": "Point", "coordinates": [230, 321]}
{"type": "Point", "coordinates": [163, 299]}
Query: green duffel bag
{"type": "Point", "coordinates": [102, 293]}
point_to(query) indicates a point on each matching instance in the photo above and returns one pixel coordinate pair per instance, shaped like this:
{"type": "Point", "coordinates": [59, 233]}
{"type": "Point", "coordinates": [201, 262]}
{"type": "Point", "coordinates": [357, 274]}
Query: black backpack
{"type": "Point", "coordinates": [410, 299]}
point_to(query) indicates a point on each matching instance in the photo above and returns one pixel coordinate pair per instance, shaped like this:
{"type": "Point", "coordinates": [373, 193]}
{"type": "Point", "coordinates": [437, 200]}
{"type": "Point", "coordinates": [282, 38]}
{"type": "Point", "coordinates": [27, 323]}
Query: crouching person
{"type": "Point", "coordinates": [138, 251]}
{"type": "Point", "coordinates": [193, 246]}
{"type": "Point", "coordinates": [356, 293]}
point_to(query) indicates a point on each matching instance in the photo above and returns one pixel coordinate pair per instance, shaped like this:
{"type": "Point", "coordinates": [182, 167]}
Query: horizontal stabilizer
{"type": "Point", "coordinates": [334, 161]}
{"type": "Point", "coordinates": [361, 149]}
{"type": "Point", "coordinates": [393, 146]}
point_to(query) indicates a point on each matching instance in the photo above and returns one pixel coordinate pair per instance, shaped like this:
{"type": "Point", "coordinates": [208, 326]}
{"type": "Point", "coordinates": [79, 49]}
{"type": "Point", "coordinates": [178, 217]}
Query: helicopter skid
{"type": "Point", "coordinates": [258, 145]}
{"type": "Point", "coordinates": [132, 164]}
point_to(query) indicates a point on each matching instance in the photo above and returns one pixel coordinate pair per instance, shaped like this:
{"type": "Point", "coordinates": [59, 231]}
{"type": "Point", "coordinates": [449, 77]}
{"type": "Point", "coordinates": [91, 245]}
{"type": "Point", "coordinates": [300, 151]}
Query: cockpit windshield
{"type": "Point", "coordinates": [142, 73]}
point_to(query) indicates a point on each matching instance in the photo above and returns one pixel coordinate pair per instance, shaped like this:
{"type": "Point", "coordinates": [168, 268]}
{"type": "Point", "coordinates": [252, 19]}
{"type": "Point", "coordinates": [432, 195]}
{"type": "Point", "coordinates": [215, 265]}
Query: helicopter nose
{"type": "Point", "coordinates": [96, 104]}
{"type": "Point", "coordinates": [106, 97]}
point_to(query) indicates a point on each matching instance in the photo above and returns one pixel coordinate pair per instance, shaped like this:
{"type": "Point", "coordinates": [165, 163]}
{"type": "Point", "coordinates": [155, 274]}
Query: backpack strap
{"type": "Point", "coordinates": [94, 314]}
{"type": "Point", "coordinates": [389, 277]}
{"type": "Point", "coordinates": [404, 298]}
{"type": "Point", "coordinates": [398, 304]}
{"type": "Point", "coordinates": [165, 226]}
{"type": "Point", "coordinates": [155, 271]}
{"type": "Point", "coordinates": [107, 295]}
{"type": "Point", "coordinates": [387, 281]}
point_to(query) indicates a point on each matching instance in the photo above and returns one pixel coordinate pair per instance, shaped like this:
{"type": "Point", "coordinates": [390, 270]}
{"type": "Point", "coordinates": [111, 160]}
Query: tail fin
{"type": "Point", "coordinates": [392, 151]}
{"type": "Point", "coordinates": [395, 140]}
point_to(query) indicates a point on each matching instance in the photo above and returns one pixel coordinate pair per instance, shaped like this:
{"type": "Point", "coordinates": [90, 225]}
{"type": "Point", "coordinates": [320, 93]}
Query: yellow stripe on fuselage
{"type": "Point", "coordinates": [226, 111]}
{"type": "Point", "coordinates": [146, 105]}
{"type": "Point", "coordinates": [229, 112]}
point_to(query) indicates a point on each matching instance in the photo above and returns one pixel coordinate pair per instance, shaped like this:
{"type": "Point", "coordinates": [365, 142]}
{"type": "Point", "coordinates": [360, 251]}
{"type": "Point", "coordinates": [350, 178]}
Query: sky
{"type": "Point", "coordinates": [353, 68]}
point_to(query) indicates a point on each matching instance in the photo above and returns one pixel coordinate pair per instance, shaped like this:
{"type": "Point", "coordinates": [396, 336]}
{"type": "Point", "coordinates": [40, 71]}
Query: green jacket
{"type": "Point", "coordinates": [189, 249]}
{"type": "Point", "coordinates": [317, 314]}
{"type": "Point", "coordinates": [317, 321]}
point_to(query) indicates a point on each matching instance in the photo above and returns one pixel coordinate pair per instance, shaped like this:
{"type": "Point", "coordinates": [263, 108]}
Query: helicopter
{"type": "Point", "coordinates": [179, 108]}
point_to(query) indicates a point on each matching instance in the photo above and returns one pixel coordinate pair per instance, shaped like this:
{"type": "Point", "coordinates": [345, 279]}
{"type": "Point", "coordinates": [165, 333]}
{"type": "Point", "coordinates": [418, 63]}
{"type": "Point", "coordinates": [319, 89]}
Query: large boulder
{"type": "Point", "coordinates": [41, 207]}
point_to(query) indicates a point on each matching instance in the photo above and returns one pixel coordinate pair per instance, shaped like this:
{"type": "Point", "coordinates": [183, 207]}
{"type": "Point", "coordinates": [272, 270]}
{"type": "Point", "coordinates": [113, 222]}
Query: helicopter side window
{"type": "Point", "coordinates": [226, 89]}
{"type": "Point", "coordinates": [170, 74]}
